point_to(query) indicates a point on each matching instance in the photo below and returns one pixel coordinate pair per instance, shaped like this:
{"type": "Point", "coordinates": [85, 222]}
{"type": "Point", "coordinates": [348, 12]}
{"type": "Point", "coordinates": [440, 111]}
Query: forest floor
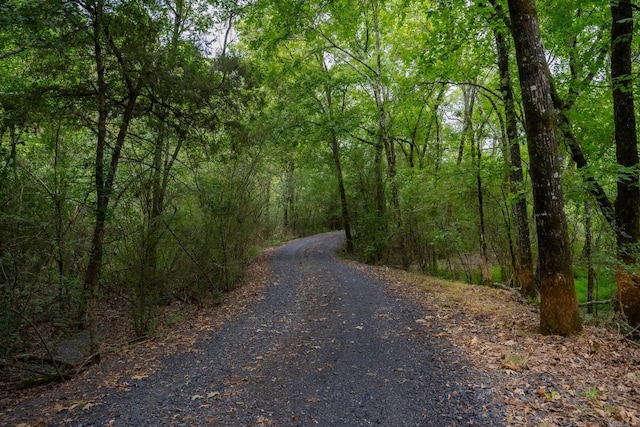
{"type": "Point", "coordinates": [589, 380]}
{"type": "Point", "coordinates": [490, 334]}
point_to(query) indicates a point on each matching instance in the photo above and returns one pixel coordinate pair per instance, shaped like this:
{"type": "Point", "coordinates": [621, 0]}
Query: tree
{"type": "Point", "coordinates": [523, 267]}
{"type": "Point", "coordinates": [622, 213]}
{"type": "Point", "coordinates": [105, 171]}
{"type": "Point", "coordinates": [327, 108]}
{"type": "Point", "coordinates": [113, 121]}
{"type": "Point", "coordinates": [627, 204]}
{"type": "Point", "coordinates": [559, 313]}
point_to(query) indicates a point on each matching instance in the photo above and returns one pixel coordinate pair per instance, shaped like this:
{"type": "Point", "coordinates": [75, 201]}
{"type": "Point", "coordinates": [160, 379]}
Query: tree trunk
{"type": "Point", "coordinates": [627, 202]}
{"type": "Point", "coordinates": [149, 282]}
{"type": "Point", "coordinates": [523, 267]}
{"type": "Point", "coordinates": [151, 285]}
{"type": "Point", "coordinates": [383, 117]}
{"type": "Point", "coordinates": [469, 95]}
{"type": "Point", "coordinates": [559, 312]}
{"type": "Point", "coordinates": [92, 274]}
{"type": "Point", "coordinates": [104, 180]}
{"type": "Point", "coordinates": [288, 196]}
{"type": "Point", "coordinates": [335, 150]}
{"type": "Point", "coordinates": [343, 195]}
{"type": "Point", "coordinates": [381, 205]}
{"type": "Point", "coordinates": [588, 252]}
{"type": "Point", "coordinates": [487, 278]}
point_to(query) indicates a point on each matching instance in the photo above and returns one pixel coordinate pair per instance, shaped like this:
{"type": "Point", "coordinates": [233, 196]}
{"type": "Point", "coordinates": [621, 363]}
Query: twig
{"type": "Point", "coordinates": [607, 301]}
{"type": "Point", "coordinates": [503, 287]}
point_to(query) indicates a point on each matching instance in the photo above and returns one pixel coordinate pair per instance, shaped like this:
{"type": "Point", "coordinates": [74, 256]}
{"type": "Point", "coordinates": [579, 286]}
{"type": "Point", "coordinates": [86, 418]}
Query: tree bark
{"type": "Point", "coordinates": [523, 267]}
{"type": "Point", "coordinates": [559, 312]}
{"type": "Point", "coordinates": [627, 204]}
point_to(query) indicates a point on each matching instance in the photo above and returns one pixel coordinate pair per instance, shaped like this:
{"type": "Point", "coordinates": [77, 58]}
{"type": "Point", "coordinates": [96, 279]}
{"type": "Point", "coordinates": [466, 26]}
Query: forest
{"type": "Point", "coordinates": [150, 148]}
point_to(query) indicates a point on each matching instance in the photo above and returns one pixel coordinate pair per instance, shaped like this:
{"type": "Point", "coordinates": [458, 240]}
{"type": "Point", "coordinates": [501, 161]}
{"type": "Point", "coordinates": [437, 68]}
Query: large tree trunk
{"type": "Point", "coordinates": [559, 313]}
{"type": "Point", "coordinates": [627, 202]}
{"type": "Point", "coordinates": [524, 260]}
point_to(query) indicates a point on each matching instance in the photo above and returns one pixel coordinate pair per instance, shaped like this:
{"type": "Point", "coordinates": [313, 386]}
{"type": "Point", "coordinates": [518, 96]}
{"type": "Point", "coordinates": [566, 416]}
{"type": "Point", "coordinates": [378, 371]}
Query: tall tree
{"type": "Point", "coordinates": [622, 214]}
{"type": "Point", "coordinates": [524, 259]}
{"type": "Point", "coordinates": [627, 204]}
{"type": "Point", "coordinates": [114, 54]}
{"type": "Point", "coordinates": [327, 108]}
{"type": "Point", "coordinates": [559, 313]}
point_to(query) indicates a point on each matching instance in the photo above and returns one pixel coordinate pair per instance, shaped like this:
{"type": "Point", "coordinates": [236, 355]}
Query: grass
{"type": "Point", "coordinates": [592, 393]}
{"type": "Point", "coordinates": [605, 288]}
{"type": "Point", "coordinates": [605, 285]}
{"type": "Point", "coordinates": [174, 319]}
{"type": "Point", "coordinates": [605, 282]}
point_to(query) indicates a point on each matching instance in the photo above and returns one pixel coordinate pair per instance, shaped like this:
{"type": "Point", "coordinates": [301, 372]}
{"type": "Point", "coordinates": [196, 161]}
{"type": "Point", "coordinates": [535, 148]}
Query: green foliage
{"type": "Point", "coordinates": [231, 151]}
{"type": "Point", "coordinates": [605, 284]}
{"type": "Point", "coordinates": [188, 202]}
{"type": "Point", "coordinates": [372, 236]}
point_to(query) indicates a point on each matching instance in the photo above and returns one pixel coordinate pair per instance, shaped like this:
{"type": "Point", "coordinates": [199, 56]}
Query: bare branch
{"type": "Point", "coordinates": [12, 52]}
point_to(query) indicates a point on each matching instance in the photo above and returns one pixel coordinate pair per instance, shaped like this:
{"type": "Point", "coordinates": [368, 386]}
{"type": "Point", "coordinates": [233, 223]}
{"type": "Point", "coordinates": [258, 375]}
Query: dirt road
{"type": "Point", "coordinates": [327, 345]}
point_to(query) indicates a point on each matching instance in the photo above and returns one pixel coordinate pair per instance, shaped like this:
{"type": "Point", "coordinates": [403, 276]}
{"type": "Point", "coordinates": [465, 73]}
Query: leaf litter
{"type": "Point", "coordinates": [589, 380]}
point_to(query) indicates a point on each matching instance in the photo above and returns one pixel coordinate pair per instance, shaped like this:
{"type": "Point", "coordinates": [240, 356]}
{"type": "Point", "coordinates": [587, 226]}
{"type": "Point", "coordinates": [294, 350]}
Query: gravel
{"type": "Point", "coordinates": [327, 345]}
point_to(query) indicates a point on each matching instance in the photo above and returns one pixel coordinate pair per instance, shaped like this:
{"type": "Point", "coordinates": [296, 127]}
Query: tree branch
{"type": "Point", "coordinates": [12, 52]}
{"type": "Point", "coordinates": [349, 54]}
{"type": "Point", "coordinates": [452, 83]}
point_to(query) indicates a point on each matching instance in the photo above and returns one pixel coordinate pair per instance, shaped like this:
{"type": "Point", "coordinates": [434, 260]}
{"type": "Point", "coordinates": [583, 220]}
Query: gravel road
{"type": "Point", "coordinates": [327, 345]}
